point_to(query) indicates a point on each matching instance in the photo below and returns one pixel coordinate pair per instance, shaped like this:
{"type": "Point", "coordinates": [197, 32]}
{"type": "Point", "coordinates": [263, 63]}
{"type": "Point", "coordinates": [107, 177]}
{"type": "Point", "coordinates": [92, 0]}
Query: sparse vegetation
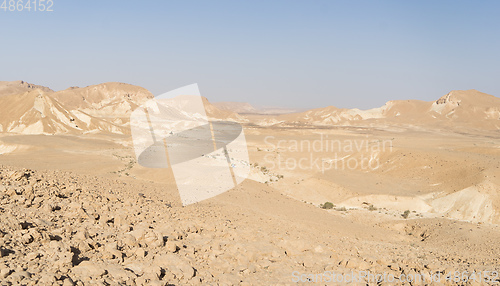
{"type": "Point", "coordinates": [406, 214]}
{"type": "Point", "coordinates": [372, 208]}
{"type": "Point", "coordinates": [341, 209]}
{"type": "Point", "coordinates": [327, 205]}
{"type": "Point", "coordinates": [128, 165]}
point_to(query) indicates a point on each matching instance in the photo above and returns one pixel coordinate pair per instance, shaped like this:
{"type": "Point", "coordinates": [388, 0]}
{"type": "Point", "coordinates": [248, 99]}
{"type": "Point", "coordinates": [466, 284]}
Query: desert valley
{"type": "Point", "coordinates": [409, 190]}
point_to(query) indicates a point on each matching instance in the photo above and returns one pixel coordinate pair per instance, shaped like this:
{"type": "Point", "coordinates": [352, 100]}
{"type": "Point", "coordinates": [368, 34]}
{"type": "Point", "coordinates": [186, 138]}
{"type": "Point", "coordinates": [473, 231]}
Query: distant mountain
{"type": "Point", "coordinates": [238, 107]}
{"type": "Point", "coordinates": [469, 108]}
{"type": "Point", "coordinates": [100, 108]}
{"type": "Point", "coordinates": [214, 112]}
{"type": "Point", "coordinates": [19, 86]}
{"type": "Point", "coordinates": [104, 108]}
{"type": "Point", "coordinates": [247, 108]}
{"type": "Point", "coordinates": [112, 101]}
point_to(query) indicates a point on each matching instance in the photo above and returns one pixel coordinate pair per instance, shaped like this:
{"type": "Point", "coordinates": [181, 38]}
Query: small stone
{"type": "Point", "coordinates": [178, 266]}
{"type": "Point", "coordinates": [88, 269]}
{"type": "Point", "coordinates": [129, 240]}
{"type": "Point", "coordinates": [140, 252]}
{"type": "Point", "coordinates": [20, 275]}
{"type": "Point", "coordinates": [171, 246]}
{"type": "Point", "coordinates": [5, 272]}
{"type": "Point", "coordinates": [47, 279]}
{"type": "Point", "coordinates": [32, 256]}
{"type": "Point", "coordinates": [136, 267]}
{"type": "Point", "coordinates": [118, 273]}
{"type": "Point", "coordinates": [394, 267]}
{"type": "Point", "coordinates": [68, 282]}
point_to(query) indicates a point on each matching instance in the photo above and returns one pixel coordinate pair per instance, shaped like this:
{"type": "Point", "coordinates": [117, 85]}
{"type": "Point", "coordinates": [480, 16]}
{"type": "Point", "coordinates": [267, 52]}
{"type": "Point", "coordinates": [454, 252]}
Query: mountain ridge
{"type": "Point", "coordinates": [100, 108]}
{"type": "Point", "coordinates": [106, 108]}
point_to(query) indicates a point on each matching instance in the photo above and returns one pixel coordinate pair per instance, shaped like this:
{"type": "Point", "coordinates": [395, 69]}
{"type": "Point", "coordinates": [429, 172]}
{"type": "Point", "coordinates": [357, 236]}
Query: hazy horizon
{"type": "Point", "coordinates": [285, 53]}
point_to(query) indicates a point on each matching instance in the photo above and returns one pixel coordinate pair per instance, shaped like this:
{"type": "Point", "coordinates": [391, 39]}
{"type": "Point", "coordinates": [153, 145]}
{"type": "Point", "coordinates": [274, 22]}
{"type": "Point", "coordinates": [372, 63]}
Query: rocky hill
{"type": "Point", "coordinates": [469, 108]}
{"type": "Point", "coordinates": [103, 108]}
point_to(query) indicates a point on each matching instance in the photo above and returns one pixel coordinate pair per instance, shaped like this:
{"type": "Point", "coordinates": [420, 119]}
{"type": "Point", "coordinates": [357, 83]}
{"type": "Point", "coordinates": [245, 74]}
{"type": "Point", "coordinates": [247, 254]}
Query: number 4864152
{"type": "Point", "coordinates": [27, 5]}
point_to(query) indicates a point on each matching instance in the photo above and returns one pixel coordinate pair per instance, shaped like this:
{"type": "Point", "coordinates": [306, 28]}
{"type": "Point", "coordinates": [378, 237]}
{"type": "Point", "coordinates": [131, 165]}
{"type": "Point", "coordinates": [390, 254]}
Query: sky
{"type": "Point", "coordinates": [302, 54]}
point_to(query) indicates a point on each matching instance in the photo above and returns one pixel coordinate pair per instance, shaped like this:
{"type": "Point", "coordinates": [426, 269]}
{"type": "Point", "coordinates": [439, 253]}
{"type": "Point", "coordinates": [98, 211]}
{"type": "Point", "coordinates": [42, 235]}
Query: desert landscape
{"type": "Point", "coordinates": [408, 193]}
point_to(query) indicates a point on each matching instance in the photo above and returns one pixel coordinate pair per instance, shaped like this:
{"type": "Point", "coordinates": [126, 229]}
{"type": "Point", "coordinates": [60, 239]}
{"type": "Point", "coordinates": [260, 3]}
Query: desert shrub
{"type": "Point", "coordinates": [327, 205]}
{"type": "Point", "coordinates": [406, 214]}
{"type": "Point", "coordinates": [372, 208]}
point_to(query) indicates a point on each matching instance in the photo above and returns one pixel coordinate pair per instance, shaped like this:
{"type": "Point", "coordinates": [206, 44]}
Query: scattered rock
{"type": "Point", "coordinates": [88, 269]}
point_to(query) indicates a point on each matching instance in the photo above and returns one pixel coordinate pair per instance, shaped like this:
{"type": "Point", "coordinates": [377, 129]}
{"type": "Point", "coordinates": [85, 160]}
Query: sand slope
{"type": "Point", "coordinates": [469, 108]}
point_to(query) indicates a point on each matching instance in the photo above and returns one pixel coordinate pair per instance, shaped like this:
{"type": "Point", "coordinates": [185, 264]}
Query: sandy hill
{"type": "Point", "coordinates": [31, 109]}
{"type": "Point", "coordinates": [469, 108]}
{"type": "Point", "coordinates": [102, 108]}
{"type": "Point", "coordinates": [37, 112]}
{"type": "Point", "coordinates": [458, 108]}
{"type": "Point", "coordinates": [331, 115]}
{"type": "Point", "coordinates": [110, 99]}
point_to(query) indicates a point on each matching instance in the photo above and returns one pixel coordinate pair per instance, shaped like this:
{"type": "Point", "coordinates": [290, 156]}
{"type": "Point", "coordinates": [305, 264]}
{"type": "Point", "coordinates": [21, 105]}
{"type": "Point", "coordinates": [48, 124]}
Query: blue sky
{"type": "Point", "coordinates": [278, 53]}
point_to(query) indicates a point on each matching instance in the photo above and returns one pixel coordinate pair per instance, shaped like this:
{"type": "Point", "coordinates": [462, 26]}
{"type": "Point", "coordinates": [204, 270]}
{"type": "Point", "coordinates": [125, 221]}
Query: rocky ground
{"type": "Point", "coordinates": [62, 228]}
